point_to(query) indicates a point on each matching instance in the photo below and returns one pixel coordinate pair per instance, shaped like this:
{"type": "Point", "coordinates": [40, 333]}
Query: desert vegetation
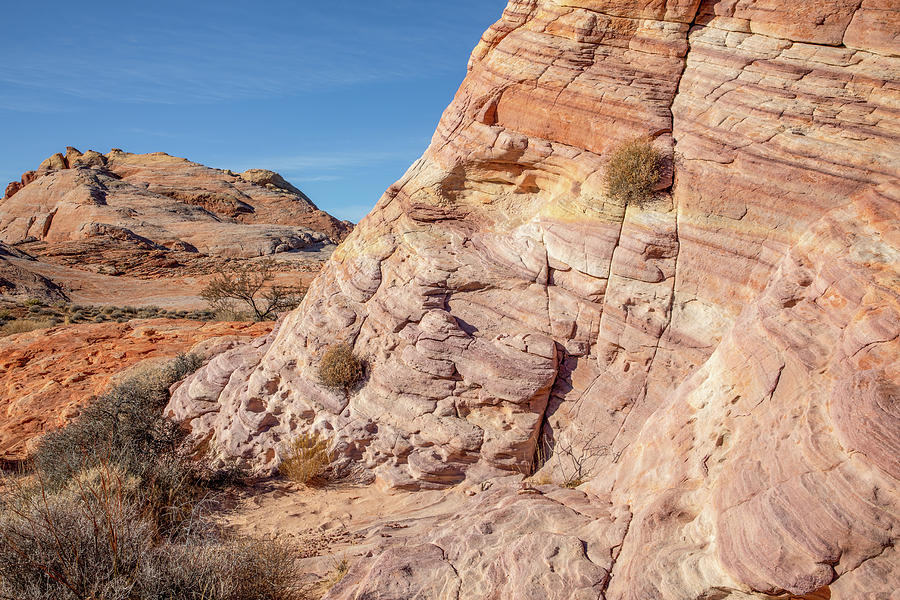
{"type": "Point", "coordinates": [28, 315]}
{"type": "Point", "coordinates": [113, 509]}
{"type": "Point", "coordinates": [340, 368]}
{"type": "Point", "coordinates": [306, 458]}
{"type": "Point", "coordinates": [632, 172]}
{"type": "Point", "coordinates": [568, 462]}
{"type": "Point", "coordinates": [250, 287]}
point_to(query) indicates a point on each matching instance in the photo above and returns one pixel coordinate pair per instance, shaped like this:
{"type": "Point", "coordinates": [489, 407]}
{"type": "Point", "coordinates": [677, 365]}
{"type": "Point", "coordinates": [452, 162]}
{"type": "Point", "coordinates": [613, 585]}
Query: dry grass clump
{"type": "Point", "coordinates": [306, 458]}
{"type": "Point", "coordinates": [633, 171]}
{"type": "Point", "coordinates": [337, 574]}
{"type": "Point", "coordinates": [340, 368]}
{"type": "Point", "coordinates": [25, 325]}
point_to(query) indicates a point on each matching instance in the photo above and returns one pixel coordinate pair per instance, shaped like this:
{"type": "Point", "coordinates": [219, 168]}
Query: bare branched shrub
{"type": "Point", "coordinates": [340, 368]}
{"type": "Point", "coordinates": [633, 171]}
{"type": "Point", "coordinates": [573, 461]}
{"type": "Point", "coordinates": [249, 286]}
{"type": "Point", "coordinates": [306, 458]}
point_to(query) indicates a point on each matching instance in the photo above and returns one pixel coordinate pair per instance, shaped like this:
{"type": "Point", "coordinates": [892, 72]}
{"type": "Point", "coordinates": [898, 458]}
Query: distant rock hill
{"type": "Point", "coordinates": [149, 214]}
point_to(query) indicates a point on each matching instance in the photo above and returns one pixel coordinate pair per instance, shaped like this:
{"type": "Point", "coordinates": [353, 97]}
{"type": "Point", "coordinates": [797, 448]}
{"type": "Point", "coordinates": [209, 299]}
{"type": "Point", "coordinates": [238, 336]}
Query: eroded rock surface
{"type": "Point", "coordinates": [726, 356]}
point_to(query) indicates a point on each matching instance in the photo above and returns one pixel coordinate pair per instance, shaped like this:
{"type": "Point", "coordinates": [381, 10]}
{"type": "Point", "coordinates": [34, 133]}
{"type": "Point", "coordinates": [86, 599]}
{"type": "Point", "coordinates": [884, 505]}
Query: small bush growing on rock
{"type": "Point", "coordinates": [633, 171]}
{"type": "Point", "coordinates": [306, 458]}
{"type": "Point", "coordinates": [340, 368]}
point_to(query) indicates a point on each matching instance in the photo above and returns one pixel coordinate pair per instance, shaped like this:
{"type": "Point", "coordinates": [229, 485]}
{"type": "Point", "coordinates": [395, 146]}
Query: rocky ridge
{"type": "Point", "coordinates": [142, 214]}
{"type": "Point", "coordinates": [726, 357]}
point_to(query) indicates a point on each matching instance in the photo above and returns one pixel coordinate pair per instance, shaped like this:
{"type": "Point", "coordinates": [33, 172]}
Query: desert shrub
{"type": "Point", "coordinates": [250, 286]}
{"type": "Point", "coordinates": [115, 515]}
{"type": "Point", "coordinates": [633, 171]}
{"type": "Point", "coordinates": [84, 542]}
{"type": "Point", "coordinates": [306, 458]}
{"type": "Point", "coordinates": [226, 570]}
{"type": "Point", "coordinates": [24, 325]}
{"type": "Point", "coordinates": [93, 540]}
{"type": "Point", "coordinates": [340, 368]}
{"type": "Point", "coordinates": [125, 427]}
{"type": "Point", "coordinates": [33, 302]}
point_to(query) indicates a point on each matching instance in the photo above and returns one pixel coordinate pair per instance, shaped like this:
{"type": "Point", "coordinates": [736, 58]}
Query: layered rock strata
{"type": "Point", "coordinates": [721, 364]}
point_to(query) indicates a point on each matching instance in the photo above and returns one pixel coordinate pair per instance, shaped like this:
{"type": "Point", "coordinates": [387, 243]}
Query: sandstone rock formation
{"type": "Point", "coordinates": [724, 359]}
{"type": "Point", "coordinates": [17, 280]}
{"type": "Point", "coordinates": [46, 376]}
{"type": "Point", "coordinates": [158, 207]}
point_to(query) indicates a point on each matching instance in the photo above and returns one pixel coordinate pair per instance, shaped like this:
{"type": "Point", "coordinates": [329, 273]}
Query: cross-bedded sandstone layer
{"type": "Point", "coordinates": [726, 356]}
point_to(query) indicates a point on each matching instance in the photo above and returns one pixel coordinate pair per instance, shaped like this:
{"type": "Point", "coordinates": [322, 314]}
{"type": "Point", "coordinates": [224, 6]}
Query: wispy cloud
{"type": "Point", "coordinates": [316, 178]}
{"type": "Point", "coordinates": [321, 162]}
{"type": "Point", "coordinates": [162, 61]}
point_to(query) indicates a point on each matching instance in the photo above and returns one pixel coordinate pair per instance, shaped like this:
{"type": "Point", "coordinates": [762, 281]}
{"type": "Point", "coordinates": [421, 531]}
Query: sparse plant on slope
{"type": "Point", "coordinates": [340, 368]}
{"type": "Point", "coordinates": [341, 568]}
{"type": "Point", "coordinates": [633, 171]}
{"type": "Point", "coordinates": [306, 458]}
{"type": "Point", "coordinates": [573, 460]}
{"type": "Point", "coordinates": [250, 285]}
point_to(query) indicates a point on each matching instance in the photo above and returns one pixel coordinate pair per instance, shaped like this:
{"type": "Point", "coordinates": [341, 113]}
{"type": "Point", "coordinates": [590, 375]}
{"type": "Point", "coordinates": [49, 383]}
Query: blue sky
{"type": "Point", "coordinates": [339, 97]}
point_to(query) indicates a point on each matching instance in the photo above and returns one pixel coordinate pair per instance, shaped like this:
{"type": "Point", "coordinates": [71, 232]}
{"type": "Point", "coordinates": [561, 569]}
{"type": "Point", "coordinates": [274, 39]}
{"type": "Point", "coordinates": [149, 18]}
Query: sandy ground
{"type": "Point", "coordinates": [336, 522]}
{"type": "Point", "coordinates": [86, 287]}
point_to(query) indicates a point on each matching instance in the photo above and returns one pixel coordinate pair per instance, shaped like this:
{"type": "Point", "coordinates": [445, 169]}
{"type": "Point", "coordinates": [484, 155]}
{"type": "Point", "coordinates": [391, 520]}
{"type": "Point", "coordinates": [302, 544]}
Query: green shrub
{"type": "Point", "coordinates": [633, 171]}
{"type": "Point", "coordinates": [340, 368]}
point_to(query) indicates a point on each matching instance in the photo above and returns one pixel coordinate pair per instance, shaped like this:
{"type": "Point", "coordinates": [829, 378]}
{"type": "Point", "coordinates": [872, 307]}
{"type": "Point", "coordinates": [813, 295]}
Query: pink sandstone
{"type": "Point", "coordinates": [725, 358]}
